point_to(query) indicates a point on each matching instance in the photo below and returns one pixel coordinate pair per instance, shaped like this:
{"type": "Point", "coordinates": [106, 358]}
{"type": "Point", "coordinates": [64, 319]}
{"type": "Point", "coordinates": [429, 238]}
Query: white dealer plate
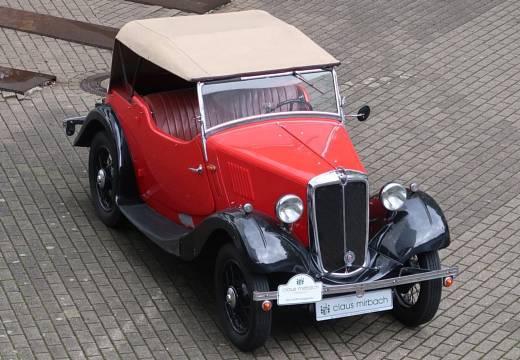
{"type": "Point", "coordinates": [300, 289]}
{"type": "Point", "coordinates": [350, 305]}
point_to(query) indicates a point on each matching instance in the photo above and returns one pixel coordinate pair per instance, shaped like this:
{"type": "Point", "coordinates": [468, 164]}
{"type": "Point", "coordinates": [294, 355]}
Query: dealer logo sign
{"type": "Point", "coordinates": [300, 289]}
{"type": "Point", "coordinates": [325, 309]}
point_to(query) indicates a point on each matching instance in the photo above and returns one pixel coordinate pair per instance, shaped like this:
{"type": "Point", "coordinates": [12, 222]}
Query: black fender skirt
{"type": "Point", "coordinates": [264, 244]}
{"type": "Point", "coordinates": [420, 226]}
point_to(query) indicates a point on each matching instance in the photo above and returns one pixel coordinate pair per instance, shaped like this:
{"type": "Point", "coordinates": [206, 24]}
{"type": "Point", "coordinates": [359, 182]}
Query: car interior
{"type": "Point", "coordinates": [176, 112]}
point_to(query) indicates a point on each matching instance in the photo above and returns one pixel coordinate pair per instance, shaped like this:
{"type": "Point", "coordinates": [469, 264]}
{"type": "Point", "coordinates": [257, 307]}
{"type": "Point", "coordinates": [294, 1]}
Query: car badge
{"type": "Point", "coordinates": [349, 257]}
{"type": "Point", "coordinates": [342, 174]}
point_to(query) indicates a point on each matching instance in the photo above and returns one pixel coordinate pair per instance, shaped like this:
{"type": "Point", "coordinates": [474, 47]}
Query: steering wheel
{"type": "Point", "coordinates": [298, 100]}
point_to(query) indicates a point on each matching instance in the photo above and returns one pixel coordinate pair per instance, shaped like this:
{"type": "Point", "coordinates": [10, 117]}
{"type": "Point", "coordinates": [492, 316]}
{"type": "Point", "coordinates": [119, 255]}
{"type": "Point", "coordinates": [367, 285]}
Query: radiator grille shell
{"type": "Point", "coordinates": [338, 220]}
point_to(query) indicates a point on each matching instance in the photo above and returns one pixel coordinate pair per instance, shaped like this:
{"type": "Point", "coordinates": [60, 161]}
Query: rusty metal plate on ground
{"type": "Point", "coordinates": [20, 81]}
{"type": "Point", "coordinates": [60, 28]}
{"type": "Point", "coordinates": [196, 6]}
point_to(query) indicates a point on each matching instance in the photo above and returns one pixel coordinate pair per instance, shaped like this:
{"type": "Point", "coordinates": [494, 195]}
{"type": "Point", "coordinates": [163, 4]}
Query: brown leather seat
{"type": "Point", "coordinates": [175, 112]}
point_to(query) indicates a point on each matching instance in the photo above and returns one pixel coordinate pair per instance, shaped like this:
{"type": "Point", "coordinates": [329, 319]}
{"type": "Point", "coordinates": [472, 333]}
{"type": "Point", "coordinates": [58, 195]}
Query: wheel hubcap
{"type": "Point", "coordinates": [231, 297]}
{"type": "Point", "coordinates": [101, 178]}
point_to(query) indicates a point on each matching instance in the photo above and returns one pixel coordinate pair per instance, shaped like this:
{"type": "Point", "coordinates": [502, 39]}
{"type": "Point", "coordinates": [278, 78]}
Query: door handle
{"type": "Point", "coordinates": [197, 170]}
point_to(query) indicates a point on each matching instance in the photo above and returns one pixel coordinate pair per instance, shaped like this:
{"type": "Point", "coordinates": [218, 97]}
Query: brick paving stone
{"type": "Point", "coordinates": [443, 81]}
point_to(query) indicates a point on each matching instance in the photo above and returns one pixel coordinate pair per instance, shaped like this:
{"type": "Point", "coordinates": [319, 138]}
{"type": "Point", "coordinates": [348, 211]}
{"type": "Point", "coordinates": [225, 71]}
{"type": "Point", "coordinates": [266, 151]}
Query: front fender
{"type": "Point", "coordinates": [420, 226]}
{"type": "Point", "coordinates": [265, 246]}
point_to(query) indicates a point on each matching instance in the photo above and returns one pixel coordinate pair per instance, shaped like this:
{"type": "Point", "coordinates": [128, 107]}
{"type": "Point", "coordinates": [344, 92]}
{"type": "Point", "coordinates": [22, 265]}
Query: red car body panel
{"type": "Point", "coordinates": [328, 139]}
{"type": "Point", "coordinates": [262, 161]}
{"type": "Point", "coordinates": [253, 163]}
{"type": "Point", "coordinates": [161, 162]}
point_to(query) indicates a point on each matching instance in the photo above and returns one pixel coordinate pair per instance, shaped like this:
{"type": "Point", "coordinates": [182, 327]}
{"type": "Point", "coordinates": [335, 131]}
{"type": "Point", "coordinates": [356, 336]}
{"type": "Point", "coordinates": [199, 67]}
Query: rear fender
{"type": "Point", "coordinates": [420, 226]}
{"type": "Point", "coordinates": [103, 118]}
{"type": "Point", "coordinates": [265, 246]}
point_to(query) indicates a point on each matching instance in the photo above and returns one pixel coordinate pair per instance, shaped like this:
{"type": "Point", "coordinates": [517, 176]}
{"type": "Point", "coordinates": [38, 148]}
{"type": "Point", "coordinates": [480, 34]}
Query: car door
{"type": "Point", "coordinates": [169, 170]}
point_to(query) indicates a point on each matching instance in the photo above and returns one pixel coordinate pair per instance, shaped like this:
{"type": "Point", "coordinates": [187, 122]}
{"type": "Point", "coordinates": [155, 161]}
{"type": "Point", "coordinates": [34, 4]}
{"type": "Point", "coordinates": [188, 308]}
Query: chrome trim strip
{"type": "Point", "coordinates": [258, 118]}
{"type": "Point", "coordinates": [370, 285]}
{"type": "Point", "coordinates": [76, 119]}
{"type": "Point", "coordinates": [344, 179]}
{"type": "Point", "coordinates": [338, 95]}
{"type": "Point", "coordinates": [329, 178]}
{"type": "Point", "coordinates": [202, 120]}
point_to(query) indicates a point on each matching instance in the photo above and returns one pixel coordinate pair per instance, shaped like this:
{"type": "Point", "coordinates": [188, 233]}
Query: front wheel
{"type": "Point", "coordinates": [417, 303]}
{"type": "Point", "coordinates": [243, 320]}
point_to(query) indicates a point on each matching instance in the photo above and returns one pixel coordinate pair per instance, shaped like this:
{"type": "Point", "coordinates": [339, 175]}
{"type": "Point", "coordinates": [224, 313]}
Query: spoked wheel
{"type": "Point", "coordinates": [408, 295]}
{"type": "Point", "coordinates": [417, 303]}
{"type": "Point", "coordinates": [243, 320]}
{"type": "Point", "coordinates": [104, 177]}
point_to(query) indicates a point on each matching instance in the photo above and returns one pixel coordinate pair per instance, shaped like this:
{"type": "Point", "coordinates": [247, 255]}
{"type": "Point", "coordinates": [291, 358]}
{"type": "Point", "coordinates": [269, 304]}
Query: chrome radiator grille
{"type": "Point", "coordinates": [338, 213]}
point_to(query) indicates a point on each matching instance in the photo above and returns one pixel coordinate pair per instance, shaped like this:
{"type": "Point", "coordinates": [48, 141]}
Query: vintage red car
{"type": "Point", "coordinates": [224, 134]}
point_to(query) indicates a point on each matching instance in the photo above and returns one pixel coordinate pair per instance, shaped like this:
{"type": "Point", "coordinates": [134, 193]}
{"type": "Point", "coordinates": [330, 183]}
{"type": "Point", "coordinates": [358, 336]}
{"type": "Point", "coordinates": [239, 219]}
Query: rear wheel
{"type": "Point", "coordinates": [104, 179]}
{"type": "Point", "coordinates": [417, 303]}
{"type": "Point", "coordinates": [243, 320]}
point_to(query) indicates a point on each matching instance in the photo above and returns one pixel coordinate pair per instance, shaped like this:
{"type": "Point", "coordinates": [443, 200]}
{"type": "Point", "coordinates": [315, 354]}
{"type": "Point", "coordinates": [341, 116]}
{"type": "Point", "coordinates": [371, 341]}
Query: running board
{"type": "Point", "coordinates": [162, 231]}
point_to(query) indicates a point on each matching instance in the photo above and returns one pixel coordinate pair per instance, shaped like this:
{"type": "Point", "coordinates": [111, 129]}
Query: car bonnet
{"type": "Point", "coordinates": [301, 149]}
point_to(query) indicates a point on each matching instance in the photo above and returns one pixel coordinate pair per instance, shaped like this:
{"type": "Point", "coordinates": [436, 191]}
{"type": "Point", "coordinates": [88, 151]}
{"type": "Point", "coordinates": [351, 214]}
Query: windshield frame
{"type": "Point", "coordinates": [233, 122]}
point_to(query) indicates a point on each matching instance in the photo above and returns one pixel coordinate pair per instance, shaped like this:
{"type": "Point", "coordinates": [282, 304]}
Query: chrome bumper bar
{"type": "Point", "coordinates": [361, 287]}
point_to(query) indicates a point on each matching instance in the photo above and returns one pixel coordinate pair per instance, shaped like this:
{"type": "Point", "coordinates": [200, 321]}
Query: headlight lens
{"type": "Point", "coordinates": [289, 208]}
{"type": "Point", "coordinates": [393, 196]}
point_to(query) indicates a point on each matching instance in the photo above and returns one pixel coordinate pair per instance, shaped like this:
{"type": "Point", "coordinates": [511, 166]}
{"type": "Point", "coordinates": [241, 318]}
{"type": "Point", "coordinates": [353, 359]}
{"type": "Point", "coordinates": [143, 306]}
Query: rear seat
{"type": "Point", "coordinates": [176, 112]}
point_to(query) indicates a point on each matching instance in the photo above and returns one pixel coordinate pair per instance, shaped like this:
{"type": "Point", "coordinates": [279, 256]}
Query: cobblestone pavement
{"type": "Point", "coordinates": [443, 81]}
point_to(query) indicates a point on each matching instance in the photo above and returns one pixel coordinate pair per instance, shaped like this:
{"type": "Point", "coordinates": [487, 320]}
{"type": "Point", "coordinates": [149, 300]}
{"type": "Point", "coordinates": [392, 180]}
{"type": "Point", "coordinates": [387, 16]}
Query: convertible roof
{"type": "Point", "coordinates": [203, 47]}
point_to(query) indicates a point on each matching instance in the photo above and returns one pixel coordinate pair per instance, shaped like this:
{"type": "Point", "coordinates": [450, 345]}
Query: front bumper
{"type": "Point", "coordinates": [361, 287]}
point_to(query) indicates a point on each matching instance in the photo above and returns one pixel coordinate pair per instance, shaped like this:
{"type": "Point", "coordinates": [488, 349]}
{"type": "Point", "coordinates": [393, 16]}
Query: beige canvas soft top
{"type": "Point", "coordinates": [203, 47]}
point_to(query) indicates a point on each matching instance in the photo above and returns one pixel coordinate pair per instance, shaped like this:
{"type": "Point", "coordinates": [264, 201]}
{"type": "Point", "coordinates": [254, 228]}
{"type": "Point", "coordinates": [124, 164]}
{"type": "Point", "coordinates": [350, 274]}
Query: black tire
{"type": "Point", "coordinates": [103, 155]}
{"type": "Point", "coordinates": [246, 324]}
{"type": "Point", "coordinates": [423, 309]}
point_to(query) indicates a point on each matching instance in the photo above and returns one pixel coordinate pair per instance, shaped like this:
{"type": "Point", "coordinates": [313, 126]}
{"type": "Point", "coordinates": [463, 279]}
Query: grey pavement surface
{"type": "Point", "coordinates": [443, 81]}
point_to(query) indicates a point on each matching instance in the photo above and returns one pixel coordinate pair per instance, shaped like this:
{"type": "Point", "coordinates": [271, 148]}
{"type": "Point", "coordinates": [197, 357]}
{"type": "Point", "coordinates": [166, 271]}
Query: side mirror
{"type": "Point", "coordinates": [363, 113]}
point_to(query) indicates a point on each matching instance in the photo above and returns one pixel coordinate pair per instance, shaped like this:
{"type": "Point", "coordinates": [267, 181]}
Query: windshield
{"type": "Point", "coordinates": [297, 91]}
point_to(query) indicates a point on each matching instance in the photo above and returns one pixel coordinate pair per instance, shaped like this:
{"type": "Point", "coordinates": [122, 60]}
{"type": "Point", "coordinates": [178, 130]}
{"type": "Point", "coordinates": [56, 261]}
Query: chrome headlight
{"type": "Point", "coordinates": [393, 196]}
{"type": "Point", "coordinates": [289, 208]}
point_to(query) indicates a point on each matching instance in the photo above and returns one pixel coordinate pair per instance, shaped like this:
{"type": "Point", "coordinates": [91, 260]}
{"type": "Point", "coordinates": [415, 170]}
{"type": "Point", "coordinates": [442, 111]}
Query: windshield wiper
{"type": "Point", "coordinates": [298, 76]}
